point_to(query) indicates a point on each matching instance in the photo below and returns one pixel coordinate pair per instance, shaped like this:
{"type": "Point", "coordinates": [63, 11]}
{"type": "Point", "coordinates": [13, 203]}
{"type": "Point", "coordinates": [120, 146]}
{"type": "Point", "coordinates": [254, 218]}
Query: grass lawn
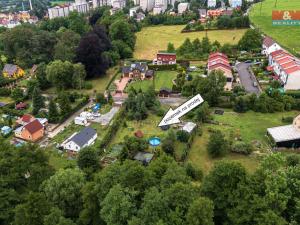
{"type": "Point", "coordinates": [287, 36]}
{"type": "Point", "coordinates": [162, 79]}
{"type": "Point", "coordinates": [250, 126]}
{"type": "Point", "coordinates": [155, 38]}
{"type": "Point", "coordinates": [199, 157]}
{"type": "Point", "coordinates": [148, 127]}
{"type": "Point", "coordinates": [59, 161]}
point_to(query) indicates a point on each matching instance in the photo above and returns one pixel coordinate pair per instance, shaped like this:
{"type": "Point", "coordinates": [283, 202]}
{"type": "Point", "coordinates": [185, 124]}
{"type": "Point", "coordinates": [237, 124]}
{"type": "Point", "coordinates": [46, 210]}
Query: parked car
{"type": "Point", "coordinates": [255, 84]}
{"type": "Point", "coordinates": [248, 61]}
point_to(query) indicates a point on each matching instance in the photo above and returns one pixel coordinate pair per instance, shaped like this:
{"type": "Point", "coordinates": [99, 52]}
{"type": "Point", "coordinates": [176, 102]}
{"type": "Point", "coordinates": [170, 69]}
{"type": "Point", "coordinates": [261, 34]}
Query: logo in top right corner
{"type": "Point", "coordinates": [286, 17]}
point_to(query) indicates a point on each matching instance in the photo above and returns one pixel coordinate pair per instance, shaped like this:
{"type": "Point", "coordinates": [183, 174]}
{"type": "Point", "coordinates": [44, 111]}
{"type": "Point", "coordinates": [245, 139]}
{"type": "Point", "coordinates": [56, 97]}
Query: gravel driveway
{"type": "Point", "coordinates": [107, 117]}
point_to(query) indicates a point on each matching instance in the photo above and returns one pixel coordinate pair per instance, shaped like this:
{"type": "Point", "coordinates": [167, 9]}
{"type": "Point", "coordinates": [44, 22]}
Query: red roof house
{"type": "Point", "coordinates": [32, 131]}
{"type": "Point", "coordinates": [220, 61]}
{"type": "Point", "coordinates": [163, 58]}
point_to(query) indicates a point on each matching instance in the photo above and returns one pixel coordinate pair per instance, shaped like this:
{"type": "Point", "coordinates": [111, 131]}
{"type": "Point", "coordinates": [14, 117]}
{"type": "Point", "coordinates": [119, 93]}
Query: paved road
{"type": "Point", "coordinates": [247, 78]}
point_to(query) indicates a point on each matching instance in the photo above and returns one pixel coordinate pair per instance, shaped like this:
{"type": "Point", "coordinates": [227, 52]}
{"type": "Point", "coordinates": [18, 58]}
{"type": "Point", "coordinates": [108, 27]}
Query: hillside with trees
{"type": "Point", "coordinates": [32, 192]}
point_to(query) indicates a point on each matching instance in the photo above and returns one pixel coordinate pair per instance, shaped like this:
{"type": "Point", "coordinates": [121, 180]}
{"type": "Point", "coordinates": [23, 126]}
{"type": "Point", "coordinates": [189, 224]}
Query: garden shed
{"type": "Point", "coordinates": [189, 127]}
{"type": "Point", "coordinates": [287, 136]}
{"type": "Point", "coordinates": [144, 157]}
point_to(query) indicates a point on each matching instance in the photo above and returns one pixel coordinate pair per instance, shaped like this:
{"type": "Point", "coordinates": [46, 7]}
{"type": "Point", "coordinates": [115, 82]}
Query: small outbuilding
{"type": "Point", "coordinates": [287, 136]}
{"type": "Point", "coordinates": [80, 121]}
{"type": "Point", "coordinates": [189, 127]}
{"type": "Point", "coordinates": [144, 157]}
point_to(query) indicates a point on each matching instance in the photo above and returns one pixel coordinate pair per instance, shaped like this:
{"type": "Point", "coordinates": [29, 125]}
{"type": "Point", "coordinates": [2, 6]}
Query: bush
{"type": "Point", "coordinates": [242, 148]}
{"type": "Point", "coordinates": [88, 85]}
{"type": "Point", "coordinates": [293, 160]}
{"type": "Point", "coordinates": [160, 112]}
{"type": "Point", "coordinates": [288, 119]}
{"type": "Point", "coordinates": [182, 136]}
{"type": "Point", "coordinates": [168, 146]}
{"type": "Point", "coordinates": [5, 92]}
{"type": "Point", "coordinates": [194, 173]}
{"type": "Point", "coordinates": [217, 145]}
{"type": "Point", "coordinates": [295, 94]}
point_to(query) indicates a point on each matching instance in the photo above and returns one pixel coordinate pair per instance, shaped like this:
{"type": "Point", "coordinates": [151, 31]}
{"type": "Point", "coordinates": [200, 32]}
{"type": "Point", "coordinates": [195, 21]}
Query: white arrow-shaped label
{"type": "Point", "coordinates": [172, 116]}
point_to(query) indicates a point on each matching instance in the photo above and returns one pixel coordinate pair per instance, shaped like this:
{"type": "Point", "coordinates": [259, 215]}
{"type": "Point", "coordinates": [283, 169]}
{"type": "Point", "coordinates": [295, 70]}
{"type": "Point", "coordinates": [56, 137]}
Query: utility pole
{"type": "Point", "coordinates": [275, 3]}
{"type": "Point", "coordinates": [30, 4]}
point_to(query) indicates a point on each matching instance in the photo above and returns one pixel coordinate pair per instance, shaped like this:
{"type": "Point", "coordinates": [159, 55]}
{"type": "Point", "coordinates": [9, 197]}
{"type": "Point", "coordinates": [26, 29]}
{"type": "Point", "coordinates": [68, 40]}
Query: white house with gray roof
{"type": "Point", "coordinates": [78, 141]}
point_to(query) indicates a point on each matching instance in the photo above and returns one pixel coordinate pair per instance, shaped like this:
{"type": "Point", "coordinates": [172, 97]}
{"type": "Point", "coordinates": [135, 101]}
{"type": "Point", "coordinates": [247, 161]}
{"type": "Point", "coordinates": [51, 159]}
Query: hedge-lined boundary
{"type": "Point", "coordinates": [162, 67]}
{"type": "Point", "coordinates": [112, 79]}
{"type": "Point", "coordinates": [294, 94]}
{"type": "Point", "coordinates": [112, 129]}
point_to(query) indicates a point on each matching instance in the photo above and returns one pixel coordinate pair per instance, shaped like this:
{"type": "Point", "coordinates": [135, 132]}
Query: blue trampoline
{"type": "Point", "coordinates": [154, 141]}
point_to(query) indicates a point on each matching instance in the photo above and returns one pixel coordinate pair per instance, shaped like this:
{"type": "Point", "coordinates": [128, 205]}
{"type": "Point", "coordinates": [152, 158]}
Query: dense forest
{"type": "Point", "coordinates": [163, 193]}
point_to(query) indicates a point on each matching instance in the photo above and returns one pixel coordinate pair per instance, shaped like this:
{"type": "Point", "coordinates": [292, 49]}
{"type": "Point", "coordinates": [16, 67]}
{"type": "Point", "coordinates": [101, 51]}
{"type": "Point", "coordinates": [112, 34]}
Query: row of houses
{"type": "Point", "coordinates": [83, 6]}
{"type": "Point", "coordinates": [10, 20]}
{"type": "Point", "coordinates": [232, 3]}
{"type": "Point", "coordinates": [284, 65]}
{"type": "Point", "coordinates": [220, 61]}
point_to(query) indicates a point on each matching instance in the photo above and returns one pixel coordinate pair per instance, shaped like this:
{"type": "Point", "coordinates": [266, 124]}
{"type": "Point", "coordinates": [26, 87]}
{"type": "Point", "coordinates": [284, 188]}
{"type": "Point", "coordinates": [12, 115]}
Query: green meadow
{"type": "Point", "coordinates": [261, 17]}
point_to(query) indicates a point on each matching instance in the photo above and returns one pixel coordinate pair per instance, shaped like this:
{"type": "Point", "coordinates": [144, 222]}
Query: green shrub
{"type": "Point", "coordinates": [5, 92]}
{"type": "Point", "coordinates": [182, 136]}
{"type": "Point", "coordinates": [88, 85]}
{"type": "Point", "coordinates": [242, 148]}
{"type": "Point", "coordinates": [194, 173]}
{"type": "Point", "coordinates": [293, 160]}
{"type": "Point", "coordinates": [288, 119]}
{"type": "Point", "coordinates": [217, 144]}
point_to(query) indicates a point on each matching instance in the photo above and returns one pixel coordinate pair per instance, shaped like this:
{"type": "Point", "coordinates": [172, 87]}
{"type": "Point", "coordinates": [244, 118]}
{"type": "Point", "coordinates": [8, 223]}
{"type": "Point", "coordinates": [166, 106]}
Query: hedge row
{"type": "Point", "coordinates": [162, 67]}
{"type": "Point", "coordinates": [294, 94]}
{"type": "Point", "coordinates": [188, 146]}
{"type": "Point", "coordinates": [112, 130]}
{"type": "Point", "coordinates": [112, 79]}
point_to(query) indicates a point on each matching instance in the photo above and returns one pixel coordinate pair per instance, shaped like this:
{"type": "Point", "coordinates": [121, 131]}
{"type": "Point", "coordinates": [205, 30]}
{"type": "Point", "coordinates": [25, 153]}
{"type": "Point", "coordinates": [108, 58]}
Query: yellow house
{"type": "Point", "coordinates": [13, 71]}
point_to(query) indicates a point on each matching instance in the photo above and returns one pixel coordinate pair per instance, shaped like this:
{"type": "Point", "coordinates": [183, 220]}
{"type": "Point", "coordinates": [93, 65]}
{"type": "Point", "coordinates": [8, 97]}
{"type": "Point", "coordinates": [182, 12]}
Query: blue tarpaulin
{"type": "Point", "coordinates": [96, 107]}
